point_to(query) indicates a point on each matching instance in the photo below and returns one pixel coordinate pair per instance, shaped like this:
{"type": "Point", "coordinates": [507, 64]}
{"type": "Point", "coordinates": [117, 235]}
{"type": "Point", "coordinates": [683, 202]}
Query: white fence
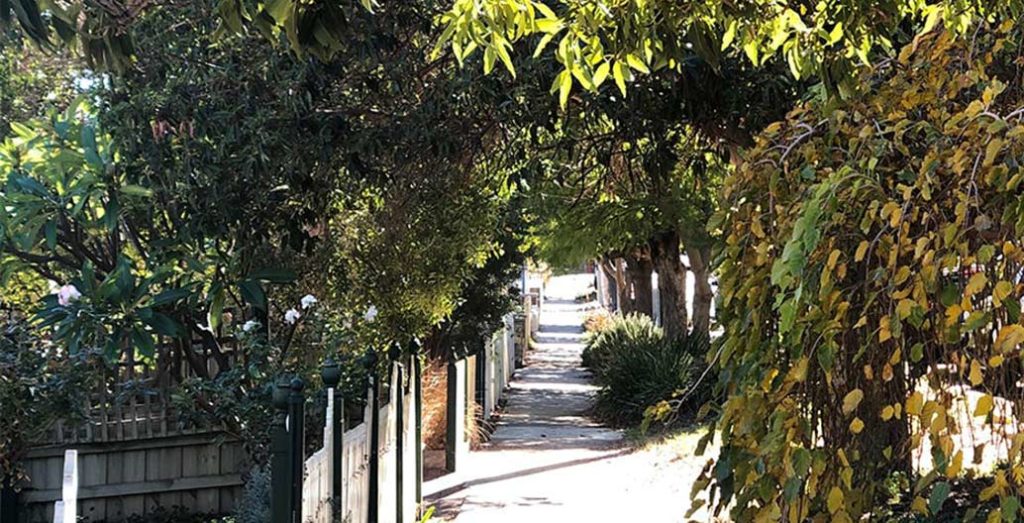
{"type": "Point", "coordinates": [65, 510]}
{"type": "Point", "coordinates": [499, 361]}
{"type": "Point", "coordinates": [353, 501]}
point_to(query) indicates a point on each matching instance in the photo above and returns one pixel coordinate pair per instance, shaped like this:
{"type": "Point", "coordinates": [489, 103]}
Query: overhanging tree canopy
{"type": "Point", "coordinates": [606, 40]}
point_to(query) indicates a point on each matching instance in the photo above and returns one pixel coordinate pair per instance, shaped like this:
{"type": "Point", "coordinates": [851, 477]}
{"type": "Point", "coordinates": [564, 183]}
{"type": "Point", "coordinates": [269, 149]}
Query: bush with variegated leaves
{"type": "Point", "coordinates": [870, 295]}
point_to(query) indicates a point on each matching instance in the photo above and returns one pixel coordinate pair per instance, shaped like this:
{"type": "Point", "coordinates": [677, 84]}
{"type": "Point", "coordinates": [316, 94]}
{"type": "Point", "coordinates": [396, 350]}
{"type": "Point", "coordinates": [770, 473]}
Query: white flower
{"type": "Point", "coordinates": [308, 301]}
{"type": "Point", "coordinates": [371, 313]}
{"type": "Point", "coordinates": [250, 325]}
{"type": "Point", "coordinates": [68, 294]}
{"type": "Point", "coordinates": [292, 316]}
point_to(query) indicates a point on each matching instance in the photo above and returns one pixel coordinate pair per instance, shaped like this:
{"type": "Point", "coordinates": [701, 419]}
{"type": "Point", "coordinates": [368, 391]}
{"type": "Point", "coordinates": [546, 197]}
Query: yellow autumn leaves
{"type": "Point", "coordinates": [903, 315]}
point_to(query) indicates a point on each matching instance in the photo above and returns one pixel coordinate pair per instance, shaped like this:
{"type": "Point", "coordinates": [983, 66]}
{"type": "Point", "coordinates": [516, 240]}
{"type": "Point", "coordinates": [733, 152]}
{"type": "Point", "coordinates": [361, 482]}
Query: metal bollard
{"type": "Point", "coordinates": [296, 429]}
{"type": "Point", "coordinates": [374, 466]}
{"type": "Point", "coordinates": [282, 506]}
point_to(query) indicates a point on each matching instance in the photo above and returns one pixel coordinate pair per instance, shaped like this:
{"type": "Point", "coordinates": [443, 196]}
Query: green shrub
{"type": "Point", "coordinates": [622, 333]}
{"type": "Point", "coordinates": [645, 374]}
{"type": "Point", "coordinates": [637, 367]}
{"type": "Point", "coordinates": [255, 503]}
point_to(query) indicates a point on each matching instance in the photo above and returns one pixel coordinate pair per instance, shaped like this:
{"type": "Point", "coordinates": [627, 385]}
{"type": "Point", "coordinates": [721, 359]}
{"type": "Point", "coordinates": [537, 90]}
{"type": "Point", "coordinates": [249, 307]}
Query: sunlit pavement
{"type": "Point", "coordinates": [547, 460]}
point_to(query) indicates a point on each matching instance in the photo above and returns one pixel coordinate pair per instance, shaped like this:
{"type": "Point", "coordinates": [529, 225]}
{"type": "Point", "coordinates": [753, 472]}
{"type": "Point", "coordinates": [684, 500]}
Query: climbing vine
{"type": "Point", "coordinates": [870, 294]}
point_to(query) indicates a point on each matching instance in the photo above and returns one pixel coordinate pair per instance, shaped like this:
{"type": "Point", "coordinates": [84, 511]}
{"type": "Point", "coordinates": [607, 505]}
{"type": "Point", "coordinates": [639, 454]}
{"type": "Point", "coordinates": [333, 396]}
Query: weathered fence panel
{"type": "Point", "coordinates": [135, 452]}
{"type": "Point", "coordinates": [118, 479]}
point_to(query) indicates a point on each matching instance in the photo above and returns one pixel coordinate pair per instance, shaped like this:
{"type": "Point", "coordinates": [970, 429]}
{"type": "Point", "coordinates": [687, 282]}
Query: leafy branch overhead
{"type": "Point", "coordinates": [600, 40]}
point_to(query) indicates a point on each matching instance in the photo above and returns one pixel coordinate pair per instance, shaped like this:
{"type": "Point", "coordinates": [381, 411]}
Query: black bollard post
{"type": "Point", "coordinates": [331, 374]}
{"type": "Point", "coordinates": [281, 506]}
{"type": "Point", "coordinates": [374, 466]}
{"type": "Point", "coordinates": [451, 415]}
{"type": "Point", "coordinates": [296, 429]}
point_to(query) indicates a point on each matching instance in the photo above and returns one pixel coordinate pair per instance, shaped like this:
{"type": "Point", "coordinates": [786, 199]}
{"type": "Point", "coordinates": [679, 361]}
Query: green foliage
{"type": "Point", "coordinates": [488, 293]}
{"type": "Point", "coordinates": [870, 293]}
{"type": "Point", "coordinates": [599, 42]}
{"type": "Point", "coordinates": [219, 179]}
{"type": "Point", "coordinates": [617, 207]}
{"type": "Point", "coordinates": [621, 333]}
{"type": "Point", "coordinates": [637, 368]}
{"type": "Point", "coordinates": [37, 387]}
{"type": "Point", "coordinates": [59, 193]}
{"type": "Point", "coordinates": [254, 506]}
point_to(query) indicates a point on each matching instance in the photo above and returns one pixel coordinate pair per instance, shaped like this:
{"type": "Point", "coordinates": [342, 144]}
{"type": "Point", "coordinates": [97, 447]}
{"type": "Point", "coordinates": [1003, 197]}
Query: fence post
{"type": "Point", "coordinates": [331, 375]}
{"type": "Point", "coordinates": [281, 503]}
{"type": "Point", "coordinates": [450, 444]}
{"type": "Point", "coordinates": [483, 360]}
{"type": "Point", "coordinates": [69, 487]}
{"type": "Point", "coordinates": [417, 376]}
{"type": "Point", "coordinates": [374, 466]}
{"type": "Point", "coordinates": [8, 500]}
{"type": "Point", "coordinates": [296, 422]}
{"type": "Point", "coordinates": [399, 399]}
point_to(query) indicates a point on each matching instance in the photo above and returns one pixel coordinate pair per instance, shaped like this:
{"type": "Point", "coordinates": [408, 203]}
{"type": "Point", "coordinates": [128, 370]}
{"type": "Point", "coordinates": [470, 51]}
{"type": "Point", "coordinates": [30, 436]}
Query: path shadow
{"type": "Point", "coordinates": [449, 508]}
{"type": "Point", "coordinates": [562, 301]}
{"type": "Point", "coordinates": [551, 328]}
{"type": "Point", "coordinates": [522, 473]}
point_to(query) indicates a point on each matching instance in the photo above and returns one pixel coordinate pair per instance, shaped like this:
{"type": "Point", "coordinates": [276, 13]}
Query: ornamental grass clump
{"type": "Point", "coordinates": [871, 295]}
{"type": "Point", "coordinates": [637, 368]}
{"type": "Point", "coordinates": [621, 333]}
{"type": "Point", "coordinates": [649, 374]}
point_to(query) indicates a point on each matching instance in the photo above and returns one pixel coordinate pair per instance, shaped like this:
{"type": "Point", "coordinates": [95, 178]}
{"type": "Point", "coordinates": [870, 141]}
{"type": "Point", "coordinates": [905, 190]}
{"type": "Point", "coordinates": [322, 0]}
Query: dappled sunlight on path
{"type": "Point", "coordinates": [548, 460]}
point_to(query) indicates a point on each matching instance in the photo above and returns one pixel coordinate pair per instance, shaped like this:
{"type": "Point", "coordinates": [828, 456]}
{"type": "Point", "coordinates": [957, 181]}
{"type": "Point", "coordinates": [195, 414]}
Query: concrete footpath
{"type": "Point", "coordinates": [547, 460]}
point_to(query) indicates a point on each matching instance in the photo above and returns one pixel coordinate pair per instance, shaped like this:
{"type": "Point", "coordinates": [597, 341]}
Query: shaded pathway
{"type": "Point", "coordinates": [547, 460]}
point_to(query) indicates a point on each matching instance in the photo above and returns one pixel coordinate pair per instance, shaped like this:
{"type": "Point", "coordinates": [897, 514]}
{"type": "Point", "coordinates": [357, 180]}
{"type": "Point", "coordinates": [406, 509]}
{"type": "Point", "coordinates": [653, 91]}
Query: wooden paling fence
{"type": "Point", "coordinates": [116, 480]}
{"type": "Point", "coordinates": [133, 457]}
{"type": "Point", "coordinates": [495, 365]}
{"type": "Point", "coordinates": [135, 454]}
{"type": "Point", "coordinates": [371, 473]}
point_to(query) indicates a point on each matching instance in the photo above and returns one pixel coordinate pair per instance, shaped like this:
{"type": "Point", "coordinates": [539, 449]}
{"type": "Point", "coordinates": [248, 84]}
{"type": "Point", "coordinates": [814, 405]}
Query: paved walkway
{"type": "Point", "coordinates": [547, 460]}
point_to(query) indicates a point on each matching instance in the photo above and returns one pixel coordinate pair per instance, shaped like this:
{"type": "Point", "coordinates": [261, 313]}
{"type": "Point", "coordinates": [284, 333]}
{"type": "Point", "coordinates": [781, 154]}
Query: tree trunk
{"type": "Point", "coordinates": [623, 296]}
{"type": "Point", "coordinates": [671, 283]}
{"type": "Point", "coordinates": [639, 267]}
{"type": "Point", "coordinates": [702, 293]}
{"type": "Point", "coordinates": [606, 276]}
